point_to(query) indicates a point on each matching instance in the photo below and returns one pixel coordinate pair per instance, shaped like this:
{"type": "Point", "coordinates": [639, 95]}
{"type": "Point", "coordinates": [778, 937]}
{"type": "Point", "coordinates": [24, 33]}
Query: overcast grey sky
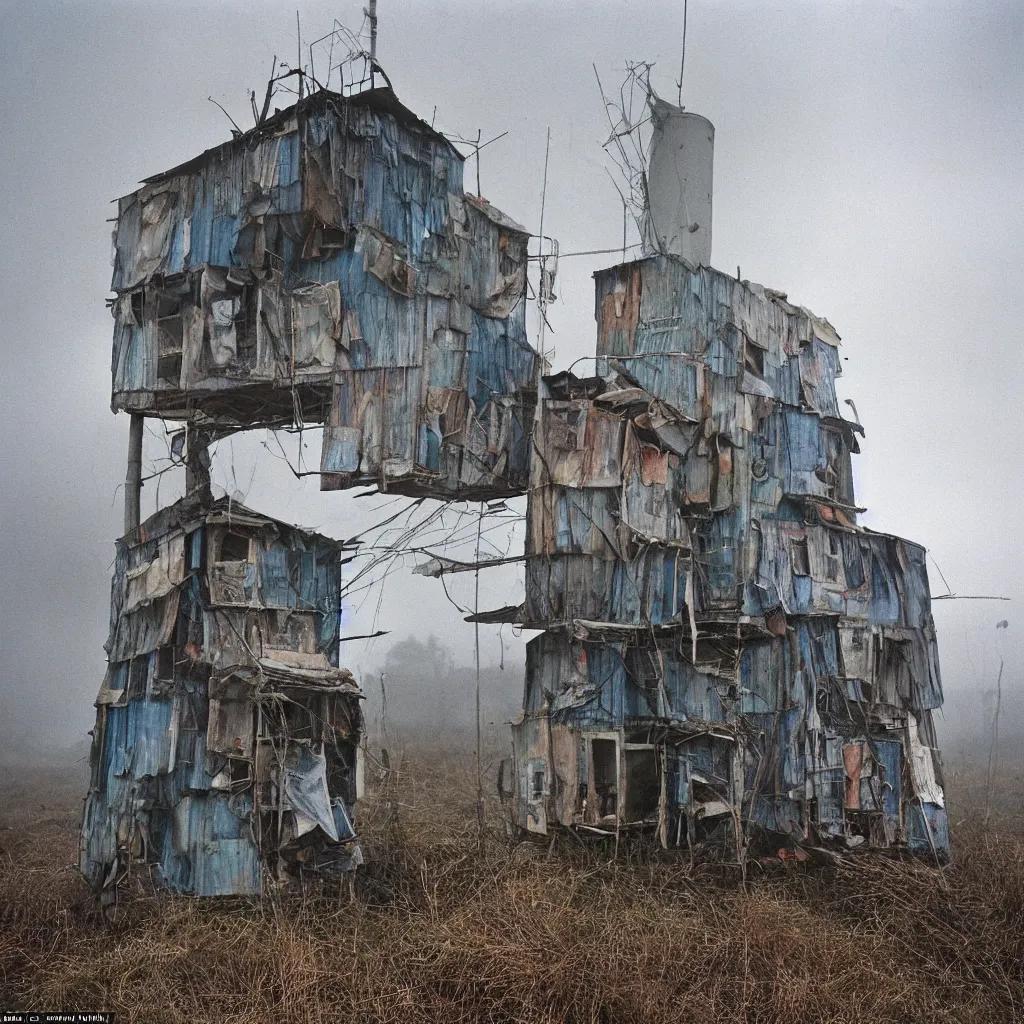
{"type": "Point", "coordinates": [868, 162]}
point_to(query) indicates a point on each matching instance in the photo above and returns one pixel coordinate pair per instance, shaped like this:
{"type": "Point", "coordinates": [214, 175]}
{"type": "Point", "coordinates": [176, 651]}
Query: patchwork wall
{"type": "Point", "coordinates": [226, 747]}
{"type": "Point", "coordinates": [727, 652]}
{"type": "Point", "coordinates": [327, 267]}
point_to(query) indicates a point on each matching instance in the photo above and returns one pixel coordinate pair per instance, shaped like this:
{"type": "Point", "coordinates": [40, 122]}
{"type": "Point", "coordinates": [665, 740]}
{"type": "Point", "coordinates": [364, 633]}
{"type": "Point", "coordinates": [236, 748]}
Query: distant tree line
{"type": "Point", "coordinates": [420, 694]}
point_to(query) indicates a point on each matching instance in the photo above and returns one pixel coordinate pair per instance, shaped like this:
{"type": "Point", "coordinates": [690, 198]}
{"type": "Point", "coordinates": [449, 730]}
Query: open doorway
{"type": "Point", "coordinates": [604, 758]}
{"type": "Point", "coordinates": [643, 783]}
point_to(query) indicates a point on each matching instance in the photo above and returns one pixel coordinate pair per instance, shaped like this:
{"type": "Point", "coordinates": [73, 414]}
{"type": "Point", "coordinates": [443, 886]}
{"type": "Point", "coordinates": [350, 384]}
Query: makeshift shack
{"type": "Point", "coordinates": [225, 755]}
{"type": "Point", "coordinates": [727, 655]}
{"type": "Point", "coordinates": [327, 267]}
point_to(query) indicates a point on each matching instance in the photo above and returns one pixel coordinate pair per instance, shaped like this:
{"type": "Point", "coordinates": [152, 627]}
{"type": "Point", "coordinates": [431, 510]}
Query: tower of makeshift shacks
{"type": "Point", "coordinates": [726, 655]}
{"type": "Point", "coordinates": [325, 267]}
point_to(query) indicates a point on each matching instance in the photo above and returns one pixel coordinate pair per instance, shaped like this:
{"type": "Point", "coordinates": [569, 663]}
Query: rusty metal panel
{"type": "Point", "coordinates": [216, 684]}
{"type": "Point", "coordinates": [714, 606]}
{"type": "Point", "coordinates": [256, 283]}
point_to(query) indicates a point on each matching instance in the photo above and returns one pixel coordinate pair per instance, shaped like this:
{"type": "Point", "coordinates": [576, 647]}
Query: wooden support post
{"type": "Point", "coordinates": [133, 479]}
{"type": "Point", "coordinates": [197, 463]}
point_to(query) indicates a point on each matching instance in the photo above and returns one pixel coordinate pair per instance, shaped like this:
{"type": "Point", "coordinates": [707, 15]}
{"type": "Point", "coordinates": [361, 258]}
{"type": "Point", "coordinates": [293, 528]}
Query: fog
{"type": "Point", "coordinates": [868, 163]}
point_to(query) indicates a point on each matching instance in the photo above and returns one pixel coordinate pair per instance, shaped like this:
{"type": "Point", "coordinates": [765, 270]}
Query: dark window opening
{"type": "Point", "coordinates": [537, 785]}
{"type": "Point", "coordinates": [245, 329]}
{"type": "Point", "coordinates": [299, 724]}
{"type": "Point", "coordinates": [165, 663]}
{"type": "Point", "coordinates": [753, 359]}
{"type": "Point", "coordinates": [643, 785]}
{"type": "Point", "coordinates": [234, 548]}
{"type": "Point", "coordinates": [832, 558]}
{"type": "Point", "coordinates": [860, 690]}
{"type": "Point", "coordinates": [138, 307]}
{"type": "Point", "coordinates": [340, 777]}
{"type": "Point", "coordinates": [170, 336]}
{"type": "Point", "coordinates": [168, 369]}
{"type": "Point", "coordinates": [800, 558]}
{"type": "Point", "coordinates": [138, 676]}
{"type": "Point", "coordinates": [333, 238]}
{"type": "Point", "coordinates": [606, 776]}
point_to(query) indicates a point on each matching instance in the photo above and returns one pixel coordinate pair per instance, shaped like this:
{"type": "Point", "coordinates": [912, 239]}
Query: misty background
{"type": "Point", "coordinates": [868, 163]}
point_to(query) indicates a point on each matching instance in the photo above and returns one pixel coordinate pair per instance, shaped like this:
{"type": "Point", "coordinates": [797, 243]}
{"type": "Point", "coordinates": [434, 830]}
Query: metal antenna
{"type": "Point", "coordinates": [371, 14]}
{"type": "Point", "coordinates": [682, 62]}
{"type": "Point", "coordinates": [540, 291]}
{"type": "Point", "coordinates": [298, 36]}
{"type": "Point", "coordinates": [476, 150]}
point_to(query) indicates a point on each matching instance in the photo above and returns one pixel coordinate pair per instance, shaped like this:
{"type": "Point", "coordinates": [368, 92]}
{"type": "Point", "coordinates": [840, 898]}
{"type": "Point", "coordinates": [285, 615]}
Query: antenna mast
{"type": "Point", "coordinates": [298, 37]}
{"type": "Point", "coordinates": [682, 61]}
{"type": "Point", "coordinates": [541, 299]}
{"type": "Point", "coordinates": [371, 14]}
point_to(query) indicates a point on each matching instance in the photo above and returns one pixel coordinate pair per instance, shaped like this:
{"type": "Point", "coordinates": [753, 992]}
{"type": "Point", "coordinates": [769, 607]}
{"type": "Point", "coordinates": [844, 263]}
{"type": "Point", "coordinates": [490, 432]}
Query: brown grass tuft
{"type": "Point", "coordinates": [445, 928]}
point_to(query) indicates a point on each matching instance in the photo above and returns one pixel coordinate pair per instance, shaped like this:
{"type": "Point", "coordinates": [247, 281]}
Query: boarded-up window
{"type": "Point", "coordinates": [230, 727]}
{"type": "Point", "coordinates": [229, 323]}
{"type": "Point", "coordinates": [832, 557]}
{"type": "Point", "coordinates": [838, 475]}
{"type": "Point", "coordinates": [567, 430]}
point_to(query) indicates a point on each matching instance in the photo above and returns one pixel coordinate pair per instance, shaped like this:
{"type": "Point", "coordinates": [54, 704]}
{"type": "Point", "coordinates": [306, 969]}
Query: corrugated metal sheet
{"type": "Point", "coordinates": [192, 705]}
{"type": "Point", "coordinates": [705, 589]}
{"type": "Point", "coordinates": [219, 267]}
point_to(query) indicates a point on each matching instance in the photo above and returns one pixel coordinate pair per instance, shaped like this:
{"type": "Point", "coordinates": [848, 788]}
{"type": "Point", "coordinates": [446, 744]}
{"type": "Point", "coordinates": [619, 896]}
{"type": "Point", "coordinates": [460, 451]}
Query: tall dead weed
{"type": "Point", "coordinates": [448, 927]}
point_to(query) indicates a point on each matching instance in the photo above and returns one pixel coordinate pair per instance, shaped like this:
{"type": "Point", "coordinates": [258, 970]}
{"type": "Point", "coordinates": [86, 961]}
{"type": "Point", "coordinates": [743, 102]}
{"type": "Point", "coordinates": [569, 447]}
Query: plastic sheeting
{"type": "Point", "coordinates": [305, 783]}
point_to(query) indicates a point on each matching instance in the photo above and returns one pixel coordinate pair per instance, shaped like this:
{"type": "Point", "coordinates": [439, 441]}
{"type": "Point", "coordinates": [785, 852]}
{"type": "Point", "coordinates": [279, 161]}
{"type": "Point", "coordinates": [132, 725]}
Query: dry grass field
{"type": "Point", "coordinates": [444, 928]}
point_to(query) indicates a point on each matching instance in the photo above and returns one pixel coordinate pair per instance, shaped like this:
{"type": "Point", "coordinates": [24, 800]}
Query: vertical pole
{"type": "Point", "coordinates": [476, 628]}
{"type": "Point", "coordinates": [479, 133]}
{"type": "Point", "coordinates": [371, 13]}
{"type": "Point", "coordinates": [682, 61]}
{"type": "Point", "coordinates": [993, 750]}
{"type": "Point", "coordinates": [542, 304]}
{"type": "Point", "coordinates": [133, 479]}
{"type": "Point", "coordinates": [197, 462]}
{"type": "Point", "coordinates": [298, 38]}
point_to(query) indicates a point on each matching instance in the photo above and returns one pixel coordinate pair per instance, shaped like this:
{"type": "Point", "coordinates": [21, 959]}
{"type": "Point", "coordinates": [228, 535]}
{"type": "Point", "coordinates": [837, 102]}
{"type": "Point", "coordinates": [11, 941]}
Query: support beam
{"type": "Point", "coordinates": [197, 462]}
{"type": "Point", "coordinates": [133, 479]}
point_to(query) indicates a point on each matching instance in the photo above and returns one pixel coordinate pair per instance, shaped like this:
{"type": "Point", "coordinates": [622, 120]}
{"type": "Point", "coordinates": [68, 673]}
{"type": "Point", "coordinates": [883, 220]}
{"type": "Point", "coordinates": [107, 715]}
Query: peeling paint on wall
{"type": "Point", "coordinates": [227, 738]}
{"type": "Point", "coordinates": [327, 267]}
{"type": "Point", "coordinates": [727, 655]}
